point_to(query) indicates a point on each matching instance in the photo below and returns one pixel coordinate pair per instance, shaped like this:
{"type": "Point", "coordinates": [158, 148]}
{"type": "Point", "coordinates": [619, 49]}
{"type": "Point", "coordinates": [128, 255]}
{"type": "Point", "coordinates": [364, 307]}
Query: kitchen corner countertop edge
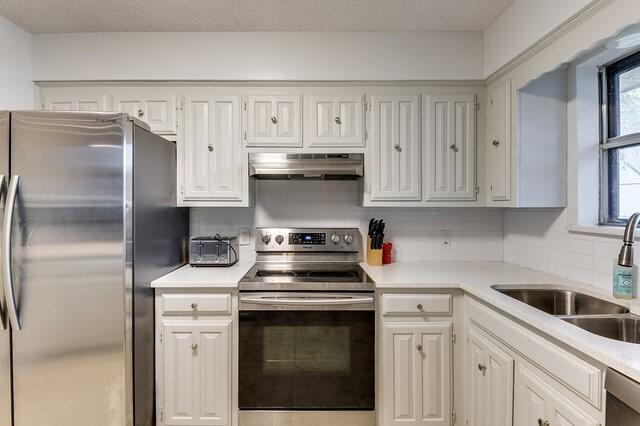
{"type": "Point", "coordinates": [474, 278]}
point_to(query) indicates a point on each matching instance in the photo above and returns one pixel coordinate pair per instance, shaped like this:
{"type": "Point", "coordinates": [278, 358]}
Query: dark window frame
{"type": "Point", "coordinates": [611, 140]}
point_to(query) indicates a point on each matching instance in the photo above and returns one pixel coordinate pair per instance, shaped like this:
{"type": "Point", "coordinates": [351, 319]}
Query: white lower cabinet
{"type": "Point", "coordinates": [489, 389]}
{"type": "Point", "coordinates": [538, 402]}
{"type": "Point", "coordinates": [416, 374]}
{"type": "Point", "coordinates": [196, 364]}
{"type": "Point", "coordinates": [196, 372]}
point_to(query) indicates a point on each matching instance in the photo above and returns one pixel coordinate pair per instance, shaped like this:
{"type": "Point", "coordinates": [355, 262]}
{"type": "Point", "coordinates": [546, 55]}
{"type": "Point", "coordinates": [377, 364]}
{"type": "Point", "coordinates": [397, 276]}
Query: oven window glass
{"type": "Point", "coordinates": [307, 360]}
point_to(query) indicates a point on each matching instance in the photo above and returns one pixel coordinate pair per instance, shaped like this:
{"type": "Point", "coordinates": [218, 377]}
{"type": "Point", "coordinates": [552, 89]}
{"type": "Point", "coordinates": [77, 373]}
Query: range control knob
{"type": "Point", "coordinates": [266, 238]}
{"type": "Point", "coordinates": [348, 239]}
{"type": "Point", "coordinates": [335, 239]}
{"type": "Point", "coordinates": [279, 239]}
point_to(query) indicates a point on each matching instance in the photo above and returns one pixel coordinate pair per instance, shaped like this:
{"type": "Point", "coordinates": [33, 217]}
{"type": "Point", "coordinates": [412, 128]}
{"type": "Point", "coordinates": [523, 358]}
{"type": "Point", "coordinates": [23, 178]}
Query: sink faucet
{"type": "Point", "coordinates": [625, 258]}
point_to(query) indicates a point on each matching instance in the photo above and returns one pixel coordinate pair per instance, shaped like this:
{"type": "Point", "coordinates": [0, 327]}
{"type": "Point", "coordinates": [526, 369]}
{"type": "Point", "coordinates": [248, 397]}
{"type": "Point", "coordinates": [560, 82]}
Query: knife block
{"type": "Point", "coordinates": [374, 256]}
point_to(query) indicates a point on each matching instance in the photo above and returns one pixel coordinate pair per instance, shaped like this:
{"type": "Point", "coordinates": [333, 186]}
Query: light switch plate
{"type": "Point", "coordinates": [244, 236]}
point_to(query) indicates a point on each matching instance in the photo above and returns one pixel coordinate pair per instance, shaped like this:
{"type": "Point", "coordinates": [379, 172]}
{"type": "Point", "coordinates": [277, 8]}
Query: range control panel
{"type": "Point", "coordinates": [315, 238]}
{"type": "Point", "coordinates": [308, 239]}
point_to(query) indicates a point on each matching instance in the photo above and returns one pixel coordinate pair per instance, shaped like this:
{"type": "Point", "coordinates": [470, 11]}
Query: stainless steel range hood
{"type": "Point", "coordinates": [282, 166]}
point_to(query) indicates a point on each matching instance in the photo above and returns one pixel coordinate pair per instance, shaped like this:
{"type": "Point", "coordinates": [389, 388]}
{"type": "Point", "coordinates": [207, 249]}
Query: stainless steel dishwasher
{"type": "Point", "coordinates": [623, 400]}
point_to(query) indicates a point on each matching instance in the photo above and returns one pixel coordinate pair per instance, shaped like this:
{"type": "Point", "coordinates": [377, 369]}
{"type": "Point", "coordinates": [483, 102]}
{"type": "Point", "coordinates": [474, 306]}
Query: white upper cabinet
{"type": "Point", "coordinates": [527, 141]}
{"type": "Point", "coordinates": [334, 120]}
{"type": "Point", "coordinates": [75, 99]}
{"type": "Point", "coordinates": [273, 119]}
{"type": "Point", "coordinates": [450, 165]}
{"type": "Point", "coordinates": [393, 167]}
{"type": "Point", "coordinates": [155, 106]}
{"type": "Point", "coordinates": [214, 168]}
{"type": "Point", "coordinates": [499, 141]}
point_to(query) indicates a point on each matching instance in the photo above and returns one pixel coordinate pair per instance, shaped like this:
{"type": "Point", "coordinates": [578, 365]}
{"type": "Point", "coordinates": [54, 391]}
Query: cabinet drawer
{"type": "Point", "coordinates": [416, 304]}
{"type": "Point", "coordinates": [196, 303]}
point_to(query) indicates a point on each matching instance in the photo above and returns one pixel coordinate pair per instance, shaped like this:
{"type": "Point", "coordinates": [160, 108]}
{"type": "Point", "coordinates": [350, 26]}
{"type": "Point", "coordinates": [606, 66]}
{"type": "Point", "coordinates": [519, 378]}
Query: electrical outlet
{"type": "Point", "coordinates": [446, 237]}
{"type": "Point", "coordinates": [244, 236]}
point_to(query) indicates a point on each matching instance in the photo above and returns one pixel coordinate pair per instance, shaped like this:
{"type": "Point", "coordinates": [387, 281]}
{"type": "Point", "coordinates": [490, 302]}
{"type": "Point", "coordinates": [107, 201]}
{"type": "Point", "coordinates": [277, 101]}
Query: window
{"type": "Point", "coordinates": [620, 147]}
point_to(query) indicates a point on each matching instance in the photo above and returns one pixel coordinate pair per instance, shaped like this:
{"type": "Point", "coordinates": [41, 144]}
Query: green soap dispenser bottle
{"type": "Point", "coordinates": [625, 273]}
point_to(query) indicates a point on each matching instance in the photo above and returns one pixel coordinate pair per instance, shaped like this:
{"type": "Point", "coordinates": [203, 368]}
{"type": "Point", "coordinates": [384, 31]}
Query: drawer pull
{"type": "Point", "coordinates": [482, 368]}
{"type": "Point", "coordinates": [419, 306]}
{"type": "Point", "coordinates": [194, 347]}
{"type": "Point", "coordinates": [194, 306]}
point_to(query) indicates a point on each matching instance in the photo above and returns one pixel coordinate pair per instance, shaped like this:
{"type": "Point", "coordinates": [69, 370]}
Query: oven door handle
{"type": "Point", "coordinates": [306, 301]}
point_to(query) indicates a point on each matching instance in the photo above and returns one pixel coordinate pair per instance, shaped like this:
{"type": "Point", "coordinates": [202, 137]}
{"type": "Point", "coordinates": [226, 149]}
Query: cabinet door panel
{"type": "Point", "coordinates": [180, 374]}
{"type": "Point", "coordinates": [450, 152]}
{"type": "Point", "coordinates": [416, 374]}
{"type": "Point", "coordinates": [273, 120]}
{"type": "Point", "coordinates": [394, 167]}
{"type": "Point", "coordinates": [70, 101]}
{"type": "Point", "coordinates": [537, 400]}
{"type": "Point", "coordinates": [490, 396]}
{"type": "Point", "coordinates": [399, 374]}
{"type": "Point", "coordinates": [499, 143]}
{"type": "Point", "coordinates": [350, 122]}
{"type": "Point", "coordinates": [435, 374]}
{"type": "Point", "coordinates": [154, 106]}
{"type": "Point", "coordinates": [213, 165]}
{"type": "Point", "coordinates": [334, 120]}
{"type": "Point", "coordinates": [214, 370]}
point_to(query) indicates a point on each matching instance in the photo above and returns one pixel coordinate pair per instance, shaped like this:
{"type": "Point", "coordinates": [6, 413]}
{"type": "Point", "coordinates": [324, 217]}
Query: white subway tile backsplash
{"type": "Point", "coordinates": [476, 234]}
{"type": "Point", "coordinates": [538, 239]}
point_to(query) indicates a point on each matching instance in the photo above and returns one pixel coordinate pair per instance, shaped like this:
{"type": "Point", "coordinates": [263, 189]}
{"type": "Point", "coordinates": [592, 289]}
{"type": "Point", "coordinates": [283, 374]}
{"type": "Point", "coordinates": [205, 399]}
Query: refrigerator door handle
{"type": "Point", "coordinates": [12, 310]}
{"type": "Point", "coordinates": [3, 314]}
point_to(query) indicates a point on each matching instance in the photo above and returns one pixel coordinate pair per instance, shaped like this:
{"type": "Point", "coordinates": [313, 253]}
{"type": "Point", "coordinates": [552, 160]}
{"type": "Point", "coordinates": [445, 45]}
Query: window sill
{"type": "Point", "coordinates": [598, 230]}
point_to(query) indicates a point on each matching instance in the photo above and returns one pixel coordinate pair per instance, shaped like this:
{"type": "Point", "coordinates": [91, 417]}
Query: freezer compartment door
{"type": "Point", "coordinates": [69, 268]}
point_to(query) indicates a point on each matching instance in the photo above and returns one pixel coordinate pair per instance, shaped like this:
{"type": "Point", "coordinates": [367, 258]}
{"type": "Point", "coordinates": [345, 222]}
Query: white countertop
{"type": "Point", "coordinates": [475, 278]}
{"type": "Point", "coordinates": [213, 277]}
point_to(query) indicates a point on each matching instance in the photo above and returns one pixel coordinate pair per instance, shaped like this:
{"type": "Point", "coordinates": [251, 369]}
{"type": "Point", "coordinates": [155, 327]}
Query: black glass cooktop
{"type": "Point", "coordinates": [346, 275]}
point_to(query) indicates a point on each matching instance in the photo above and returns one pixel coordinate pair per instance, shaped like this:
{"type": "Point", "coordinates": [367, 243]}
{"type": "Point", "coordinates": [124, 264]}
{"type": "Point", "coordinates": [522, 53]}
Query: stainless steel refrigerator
{"type": "Point", "coordinates": [89, 219]}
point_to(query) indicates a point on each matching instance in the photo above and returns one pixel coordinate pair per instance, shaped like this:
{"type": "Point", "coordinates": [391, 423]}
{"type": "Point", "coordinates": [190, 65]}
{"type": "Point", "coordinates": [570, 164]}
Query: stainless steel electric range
{"type": "Point", "coordinates": [307, 330]}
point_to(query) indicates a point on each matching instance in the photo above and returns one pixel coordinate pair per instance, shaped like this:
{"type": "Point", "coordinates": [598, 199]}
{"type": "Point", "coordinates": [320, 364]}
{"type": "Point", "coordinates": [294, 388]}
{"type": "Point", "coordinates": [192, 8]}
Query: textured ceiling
{"type": "Point", "coordinates": [54, 16]}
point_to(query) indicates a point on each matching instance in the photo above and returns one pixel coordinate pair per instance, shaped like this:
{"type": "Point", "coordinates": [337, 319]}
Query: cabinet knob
{"type": "Point", "coordinates": [274, 119]}
{"type": "Point", "coordinates": [194, 306]}
{"type": "Point", "coordinates": [210, 147]}
{"type": "Point", "coordinates": [543, 422]}
{"type": "Point", "coordinates": [140, 113]}
{"type": "Point", "coordinates": [495, 143]}
{"type": "Point", "coordinates": [482, 368]}
{"type": "Point", "coordinates": [194, 347]}
{"type": "Point", "coordinates": [337, 120]}
{"type": "Point", "coordinates": [454, 148]}
{"type": "Point", "coordinates": [419, 348]}
{"type": "Point", "coordinates": [419, 306]}
{"type": "Point", "coordinates": [398, 148]}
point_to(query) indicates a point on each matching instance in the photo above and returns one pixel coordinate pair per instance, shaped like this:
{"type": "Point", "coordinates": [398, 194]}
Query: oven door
{"type": "Point", "coordinates": [307, 351]}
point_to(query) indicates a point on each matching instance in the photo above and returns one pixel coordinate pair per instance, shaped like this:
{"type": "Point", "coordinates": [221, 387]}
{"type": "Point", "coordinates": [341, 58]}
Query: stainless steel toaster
{"type": "Point", "coordinates": [213, 251]}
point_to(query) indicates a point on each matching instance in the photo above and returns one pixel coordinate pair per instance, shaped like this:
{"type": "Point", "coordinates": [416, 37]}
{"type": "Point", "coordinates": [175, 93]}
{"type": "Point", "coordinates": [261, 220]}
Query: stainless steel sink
{"type": "Point", "coordinates": [625, 328]}
{"type": "Point", "coordinates": [561, 302]}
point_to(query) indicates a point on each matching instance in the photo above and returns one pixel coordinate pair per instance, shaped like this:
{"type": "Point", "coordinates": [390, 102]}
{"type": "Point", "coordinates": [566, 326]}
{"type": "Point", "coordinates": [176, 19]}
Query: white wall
{"type": "Point", "coordinates": [16, 87]}
{"type": "Point", "coordinates": [522, 24]}
{"type": "Point", "coordinates": [415, 233]}
{"type": "Point", "coordinates": [258, 56]}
